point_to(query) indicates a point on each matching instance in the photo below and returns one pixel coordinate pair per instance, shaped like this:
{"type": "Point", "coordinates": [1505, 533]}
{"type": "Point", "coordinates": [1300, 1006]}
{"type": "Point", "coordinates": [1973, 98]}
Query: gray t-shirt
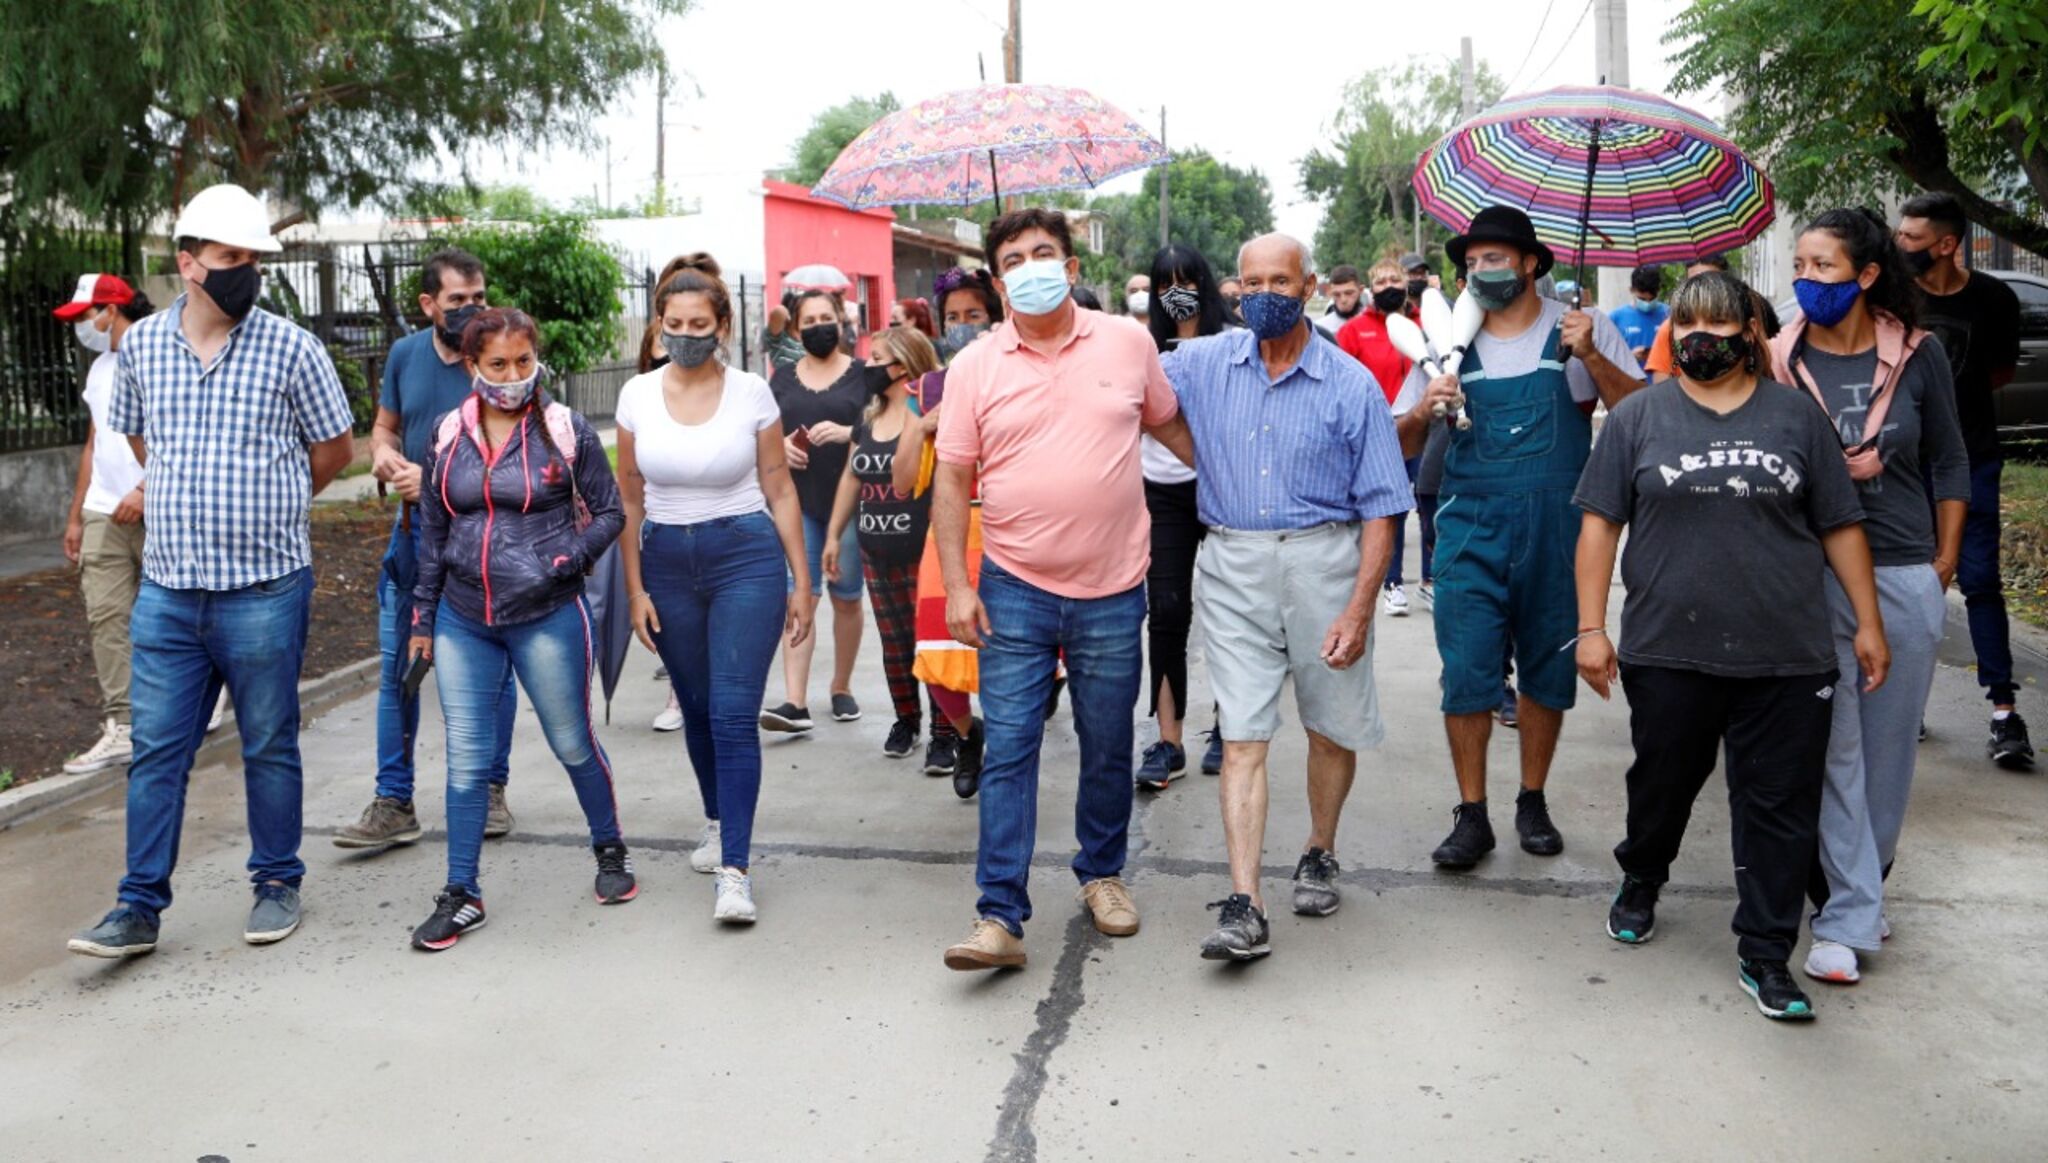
{"type": "Point", "coordinates": [1723, 564]}
{"type": "Point", "coordinates": [1921, 433]}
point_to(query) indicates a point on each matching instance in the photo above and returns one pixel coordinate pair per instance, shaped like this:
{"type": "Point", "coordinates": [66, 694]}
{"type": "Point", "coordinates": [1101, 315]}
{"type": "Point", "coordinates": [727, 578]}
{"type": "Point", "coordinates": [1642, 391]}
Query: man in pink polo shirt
{"type": "Point", "coordinates": [1047, 410]}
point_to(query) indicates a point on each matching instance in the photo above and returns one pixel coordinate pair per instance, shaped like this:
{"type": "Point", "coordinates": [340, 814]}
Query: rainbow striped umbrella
{"type": "Point", "coordinates": [975, 144]}
{"type": "Point", "coordinates": [1643, 179]}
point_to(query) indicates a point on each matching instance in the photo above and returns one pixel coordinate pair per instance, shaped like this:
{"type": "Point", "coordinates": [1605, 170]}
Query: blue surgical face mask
{"type": "Point", "coordinates": [1270, 314]}
{"type": "Point", "coordinates": [1038, 287]}
{"type": "Point", "coordinates": [1826, 304]}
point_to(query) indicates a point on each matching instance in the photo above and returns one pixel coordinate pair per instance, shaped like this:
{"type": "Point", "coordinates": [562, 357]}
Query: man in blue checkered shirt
{"type": "Point", "coordinates": [238, 418]}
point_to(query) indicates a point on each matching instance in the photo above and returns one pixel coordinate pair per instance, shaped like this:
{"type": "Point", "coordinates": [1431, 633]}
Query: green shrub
{"type": "Point", "coordinates": [552, 269]}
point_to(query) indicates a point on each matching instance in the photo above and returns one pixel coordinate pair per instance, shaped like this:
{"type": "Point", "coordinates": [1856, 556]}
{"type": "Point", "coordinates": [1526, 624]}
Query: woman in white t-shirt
{"type": "Point", "coordinates": [711, 521]}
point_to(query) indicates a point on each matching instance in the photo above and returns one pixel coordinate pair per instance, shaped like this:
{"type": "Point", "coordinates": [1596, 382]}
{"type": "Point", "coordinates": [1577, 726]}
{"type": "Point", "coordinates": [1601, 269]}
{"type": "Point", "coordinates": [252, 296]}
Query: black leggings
{"type": "Point", "coordinates": [1177, 531]}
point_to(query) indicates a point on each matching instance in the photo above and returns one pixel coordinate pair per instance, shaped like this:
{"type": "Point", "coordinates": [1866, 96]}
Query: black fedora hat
{"type": "Point", "coordinates": [1502, 224]}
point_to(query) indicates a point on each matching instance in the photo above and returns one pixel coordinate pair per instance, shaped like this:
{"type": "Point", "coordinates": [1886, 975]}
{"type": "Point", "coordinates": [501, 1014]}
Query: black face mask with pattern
{"type": "Point", "coordinates": [1704, 357]}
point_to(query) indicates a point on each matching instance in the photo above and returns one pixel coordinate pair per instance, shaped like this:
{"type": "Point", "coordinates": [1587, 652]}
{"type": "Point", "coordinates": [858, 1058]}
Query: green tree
{"type": "Point", "coordinates": [124, 106]}
{"type": "Point", "coordinates": [1389, 116]}
{"type": "Point", "coordinates": [1845, 103]}
{"type": "Point", "coordinates": [494, 203]}
{"type": "Point", "coordinates": [832, 131]}
{"type": "Point", "coordinates": [553, 270]}
{"type": "Point", "coordinates": [1211, 205]}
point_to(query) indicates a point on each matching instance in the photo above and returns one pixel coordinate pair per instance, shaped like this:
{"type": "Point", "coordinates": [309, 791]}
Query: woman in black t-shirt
{"type": "Point", "coordinates": [891, 524]}
{"type": "Point", "coordinates": [821, 397]}
{"type": "Point", "coordinates": [1737, 502]}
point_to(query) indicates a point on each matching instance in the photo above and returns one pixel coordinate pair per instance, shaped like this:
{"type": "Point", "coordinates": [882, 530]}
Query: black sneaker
{"type": "Point", "coordinates": [1632, 918]}
{"type": "Point", "coordinates": [124, 932]}
{"type": "Point", "coordinates": [1162, 764]}
{"type": "Point", "coordinates": [942, 754]}
{"type": "Point", "coordinates": [967, 773]}
{"type": "Point", "coordinates": [615, 883]}
{"type": "Point", "coordinates": [455, 913]}
{"type": "Point", "coordinates": [902, 738]}
{"type": "Point", "coordinates": [1241, 933]}
{"type": "Point", "coordinates": [787, 718]}
{"type": "Point", "coordinates": [2009, 746]}
{"type": "Point", "coordinates": [1509, 712]}
{"type": "Point", "coordinates": [1776, 994]}
{"type": "Point", "coordinates": [844, 709]}
{"type": "Point", "coordinates": [1315, 884]}
{"type": "Point", "coordinates": [1052, 703]}
{"type": "Point", "coordinates": [1532, 822]}
{"type": "Point", "coordinates": [1212, 756]}
{"type": "Point", "coordinates": [1471, 838]}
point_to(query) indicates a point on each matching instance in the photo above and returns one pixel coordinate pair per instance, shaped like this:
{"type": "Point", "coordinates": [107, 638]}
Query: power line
{"type": "Point", "coordinates": [1533, 41]}
{"type": "Point", "coordinates": [1567, 42]}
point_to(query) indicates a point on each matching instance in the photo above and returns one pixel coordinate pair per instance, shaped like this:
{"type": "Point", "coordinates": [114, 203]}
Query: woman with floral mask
{"type": "Point", "coordinates": [1720, 648]}
{"type": "Point", "coordinates": [1886, 386]}
{"type": "Point", "coordinates": [518, 504]}
{"type": "Point", "coordinates": [1186, 306]}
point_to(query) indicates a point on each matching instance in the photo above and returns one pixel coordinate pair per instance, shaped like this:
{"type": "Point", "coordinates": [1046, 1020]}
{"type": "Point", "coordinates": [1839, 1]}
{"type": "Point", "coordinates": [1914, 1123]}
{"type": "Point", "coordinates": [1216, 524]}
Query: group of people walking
{"type": "Point", "coordinates": [1028, 490]}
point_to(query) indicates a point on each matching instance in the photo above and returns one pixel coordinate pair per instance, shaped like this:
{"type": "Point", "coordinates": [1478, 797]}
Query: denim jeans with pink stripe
{"type": "Point", "coordinates": [551, 655]}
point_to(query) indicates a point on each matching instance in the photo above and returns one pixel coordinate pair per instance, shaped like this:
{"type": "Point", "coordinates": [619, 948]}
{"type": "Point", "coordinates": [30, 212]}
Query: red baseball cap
{"type": "Point", "coordinates": [95, 291]}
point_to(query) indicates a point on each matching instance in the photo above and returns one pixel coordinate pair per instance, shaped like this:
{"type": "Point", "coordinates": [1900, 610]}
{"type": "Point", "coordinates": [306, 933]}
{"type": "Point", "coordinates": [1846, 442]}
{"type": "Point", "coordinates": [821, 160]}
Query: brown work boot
{"type": "Point", "coordinates": [989, 946]}
{"type": "Point", "coordinates": [497, 817]}
{"type": "Point", "coordinates": [385, 821]}
{"type": "Point", "coordinates": [1111, 905]}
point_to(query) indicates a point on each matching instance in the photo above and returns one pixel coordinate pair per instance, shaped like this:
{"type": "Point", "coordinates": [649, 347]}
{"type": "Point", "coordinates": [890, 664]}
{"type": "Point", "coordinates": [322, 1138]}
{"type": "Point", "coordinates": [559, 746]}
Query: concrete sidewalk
{"type": "Point", "coordinates": [1437, 1016]}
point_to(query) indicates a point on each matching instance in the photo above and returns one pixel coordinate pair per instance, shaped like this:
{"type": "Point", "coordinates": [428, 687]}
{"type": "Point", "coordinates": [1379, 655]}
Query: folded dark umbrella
{"type": "Point", "coordinates": [611, 621]}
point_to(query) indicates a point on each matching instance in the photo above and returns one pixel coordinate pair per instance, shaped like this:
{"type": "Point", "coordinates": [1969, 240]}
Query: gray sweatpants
{"type": "Point", "coordinates": [1872, 750]}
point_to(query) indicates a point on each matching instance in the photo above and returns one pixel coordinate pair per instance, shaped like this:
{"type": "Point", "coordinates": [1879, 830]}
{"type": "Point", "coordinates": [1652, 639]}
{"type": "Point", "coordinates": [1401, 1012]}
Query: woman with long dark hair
{"type": "Point", "coordinates": [1886, 386]}
{"type": "Point", "coordinates": [1185, 304]}
{"type": "Point", "coordinates": [518, 504]}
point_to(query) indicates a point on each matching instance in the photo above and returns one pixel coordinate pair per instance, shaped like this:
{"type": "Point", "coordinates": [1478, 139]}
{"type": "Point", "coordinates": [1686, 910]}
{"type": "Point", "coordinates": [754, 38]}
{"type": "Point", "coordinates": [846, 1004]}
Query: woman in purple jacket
{"type": "Point", "coordinates": [519, 502]}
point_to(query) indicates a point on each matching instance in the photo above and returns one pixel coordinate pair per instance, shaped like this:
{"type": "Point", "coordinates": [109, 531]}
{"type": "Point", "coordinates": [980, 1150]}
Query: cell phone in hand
{"type": "Point", "coordinates": [417, 674]}
{"type": "Point", "coordinates": [801, 438]}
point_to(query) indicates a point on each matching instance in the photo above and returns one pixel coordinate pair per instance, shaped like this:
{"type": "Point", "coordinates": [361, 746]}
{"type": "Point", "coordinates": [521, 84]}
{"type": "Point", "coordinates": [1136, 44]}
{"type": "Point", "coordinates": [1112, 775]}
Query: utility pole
{"type": "Point", "coordinates": [1610, 67]}
{"type": "Point", "coordinates": [607, 173]}
{"type": "Point", "coordinates": [1163, 222]}
{"type": "Point", "coordinates": [661, 140]}
{"type": "Point", "coordinates": [1013, 45]}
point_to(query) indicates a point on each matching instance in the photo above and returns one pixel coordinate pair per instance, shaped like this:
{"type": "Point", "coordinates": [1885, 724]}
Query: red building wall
{"type": "Point", "coordinates": [802, 229]}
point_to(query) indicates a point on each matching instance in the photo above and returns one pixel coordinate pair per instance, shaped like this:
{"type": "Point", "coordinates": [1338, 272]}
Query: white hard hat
{"type": "Point", "coordinates": [229, 215]}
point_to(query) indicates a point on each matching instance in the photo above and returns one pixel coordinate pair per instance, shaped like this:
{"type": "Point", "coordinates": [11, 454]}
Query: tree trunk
{"type": "Point", "coordinates": [1922, 155]}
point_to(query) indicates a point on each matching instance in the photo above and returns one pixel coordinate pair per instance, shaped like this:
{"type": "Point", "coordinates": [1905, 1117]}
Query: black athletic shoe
{"type": "Point", "coordinates": [902, 738]}
{"type": "Point", "coordinates": [455, 913]}
{"type": "Point", "coordinates": [1776, 994]}
{"type": "Point", "coordinates": [844, 708]}
{"type": "Point", "coordinates": [967, 774]}
{"type": "Point", "coordinates": [1241, 933]}
{"type": "Point", "coordinates": [1532, 822]}
{"type": "Point", "coordinates": [1509, 713]}
{"type": "Point", "coordinates": [1471, 838]}
{"type": "Point", "coordinates": [1163, 763]}
{"type": "Point", "coordinates": [1052, 704]}
{"type": "Point", "coordinates": [1632, 918]}
{"type": "Point", "coordinates": [788, 718]}
{"type": "Point", "coordinates": [2009, 746]}
{"type": "Point", "coordinates": [1212, 756]}
{"type": "Point", "coordinates": [1315, 884]}
{"type": "Point", "coordinates": [615, 883]}
{"type": "Point", "coordinates": [942, 754]}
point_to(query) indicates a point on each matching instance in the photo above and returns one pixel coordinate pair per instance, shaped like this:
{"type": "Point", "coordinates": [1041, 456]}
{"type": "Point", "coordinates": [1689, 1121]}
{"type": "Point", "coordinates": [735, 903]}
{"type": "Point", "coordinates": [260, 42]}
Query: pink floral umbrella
{"type": "Point", "coordinates": [976, 144]}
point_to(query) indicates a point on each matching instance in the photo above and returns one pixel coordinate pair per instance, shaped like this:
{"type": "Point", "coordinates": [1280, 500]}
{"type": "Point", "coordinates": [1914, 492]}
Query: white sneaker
{"type": "Point", "coordinates": [671, 717]}
{"type": "Point", "coordinates": [1884, 927]}
{"type": "Point", "coordinates": [1832, 961]}
{"type": "Point", "coordinates": [1426, 591]}
{"type": "Point", "coordinates": [735, 898]}
{"type": "Point", "coordinates": [220, 712]}
{"type": "Point", "coordinates": [709, 853]}
{"type": "Point", "coordinates": [1396, 601]}
{"type": "Point", "coordinates": [112, 748]}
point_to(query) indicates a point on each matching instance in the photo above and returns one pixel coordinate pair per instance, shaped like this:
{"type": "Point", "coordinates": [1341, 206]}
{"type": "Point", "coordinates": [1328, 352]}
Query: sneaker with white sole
{"type": "Point", "coordinates": [112, 749]}
{"type": "Point", "coordinates": [1396, 601]}
{"type": "Point", "coordinates": [735, 904]}
{"type": "Point", "coordinates": [220, 712]}
{"type": "Point", "coordinates": [671, 716]}
{"type": "Point", "coordinates": [1426, 593]}
{"type": "Point", "coordinates": [1832, 962]}
{"type": "Point", "coordinates": [709, 852]}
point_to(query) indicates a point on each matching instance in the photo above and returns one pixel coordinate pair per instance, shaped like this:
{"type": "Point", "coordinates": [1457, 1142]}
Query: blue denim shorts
{"type": "Point", "coordinates": [848, 587]}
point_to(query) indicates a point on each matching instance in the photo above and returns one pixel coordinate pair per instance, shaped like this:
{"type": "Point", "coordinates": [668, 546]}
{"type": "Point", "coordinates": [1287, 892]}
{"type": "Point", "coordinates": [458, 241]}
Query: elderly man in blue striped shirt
{"type": "Point", "coordinates": [1301, 483]}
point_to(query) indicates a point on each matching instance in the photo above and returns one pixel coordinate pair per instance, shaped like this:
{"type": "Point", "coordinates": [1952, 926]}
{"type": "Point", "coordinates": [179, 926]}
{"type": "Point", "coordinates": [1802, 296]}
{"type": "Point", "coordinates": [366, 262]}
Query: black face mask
{"type": "Point", "coordinates": [1704, 357]}
{"type": "Point", "coordinates": [1919, 262]}
{"type": "Point", "coordinates": [452, 323]}
{"type": "Point", "coordinates": [879, 378]}
{"type": "Point", "coordinates": [821, 339]}
{"type": "Point", "coordinates": [1416, 287]}
{"type": "Point", "coordinates": [233, 289]}
{"type": "Point", "coordinates": [1389, 299]}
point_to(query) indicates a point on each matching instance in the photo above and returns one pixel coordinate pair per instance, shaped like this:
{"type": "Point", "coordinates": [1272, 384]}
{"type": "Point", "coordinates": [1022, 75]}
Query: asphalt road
{"type": "Point", "coordinates": [1437, 1016]}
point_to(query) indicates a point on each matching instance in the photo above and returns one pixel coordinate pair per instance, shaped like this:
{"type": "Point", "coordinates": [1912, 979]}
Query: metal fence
{"type": "Point", "coordinates": [42, 367]}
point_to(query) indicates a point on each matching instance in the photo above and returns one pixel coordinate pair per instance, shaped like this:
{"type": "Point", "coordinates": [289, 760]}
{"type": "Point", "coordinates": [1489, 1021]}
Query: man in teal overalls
{"type": "Point", "coordinates": [1506, 531]}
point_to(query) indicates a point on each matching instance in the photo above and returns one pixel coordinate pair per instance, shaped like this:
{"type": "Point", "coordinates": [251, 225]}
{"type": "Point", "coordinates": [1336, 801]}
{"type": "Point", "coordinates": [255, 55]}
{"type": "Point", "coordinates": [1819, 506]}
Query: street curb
{"type": "Point", "coordinates": [316, 696]}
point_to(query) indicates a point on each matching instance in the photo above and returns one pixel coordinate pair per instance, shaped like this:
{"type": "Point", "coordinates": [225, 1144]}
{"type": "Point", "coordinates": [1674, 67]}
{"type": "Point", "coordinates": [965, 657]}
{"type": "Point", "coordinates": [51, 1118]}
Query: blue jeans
{"type": "Point", "coordinates": [552, 657]}
{"type": "Point", "coordinates": [1983, 590]}
{"type": "Point", "coordinates": [398, 717]}
{"type": "Point", "coordinates": [1029, 628]}
{"type": "Point", "coordinates": [719, 590]}
{"type": "Point", "coordinates": [847, 588]}
{"type": "Point", "coordinates": [186, 644]}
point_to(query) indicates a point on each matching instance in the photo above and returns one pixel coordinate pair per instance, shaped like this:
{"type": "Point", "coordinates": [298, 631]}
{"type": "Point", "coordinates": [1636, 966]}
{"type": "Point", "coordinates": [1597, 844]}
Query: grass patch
{"type": "Point", "coordinates": [2024, 540]}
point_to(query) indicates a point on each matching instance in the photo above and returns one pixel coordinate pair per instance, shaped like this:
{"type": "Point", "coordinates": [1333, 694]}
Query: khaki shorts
{"type": "Point", "coordinates": [1265, 602]}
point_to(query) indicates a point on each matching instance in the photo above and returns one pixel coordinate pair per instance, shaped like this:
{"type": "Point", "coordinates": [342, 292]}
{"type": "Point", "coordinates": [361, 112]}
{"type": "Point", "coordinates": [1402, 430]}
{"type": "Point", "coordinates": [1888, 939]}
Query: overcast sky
{"type": "Point", "coordinates": [751, 74]}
